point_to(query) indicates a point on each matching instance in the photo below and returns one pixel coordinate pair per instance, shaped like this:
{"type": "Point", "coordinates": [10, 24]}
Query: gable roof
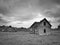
{"type": "Point", "coordinates": [46, 21]}
{"type": "Point", "coordinates": [34, 24]}
{"type": "Point", "coordinates": [37, 23]}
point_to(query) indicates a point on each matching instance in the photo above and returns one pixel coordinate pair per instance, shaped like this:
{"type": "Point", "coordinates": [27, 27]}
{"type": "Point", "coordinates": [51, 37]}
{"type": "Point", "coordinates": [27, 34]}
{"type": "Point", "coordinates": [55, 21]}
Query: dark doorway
{"type": "Point", "coordinates": [44, 30]}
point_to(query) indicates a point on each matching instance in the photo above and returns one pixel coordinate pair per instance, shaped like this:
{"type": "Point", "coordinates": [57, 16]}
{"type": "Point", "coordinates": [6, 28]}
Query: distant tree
{"type": "Point", "coordinates": [58, 27]}
{"type": "Point", "coordinates": [3, 26]}
{"type": "Point", "coordinates": [10, 26]}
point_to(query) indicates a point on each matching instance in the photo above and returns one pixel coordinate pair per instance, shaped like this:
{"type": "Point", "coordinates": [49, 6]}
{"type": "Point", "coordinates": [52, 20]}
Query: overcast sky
{"type": "Point", "coordinates": [22, 13]}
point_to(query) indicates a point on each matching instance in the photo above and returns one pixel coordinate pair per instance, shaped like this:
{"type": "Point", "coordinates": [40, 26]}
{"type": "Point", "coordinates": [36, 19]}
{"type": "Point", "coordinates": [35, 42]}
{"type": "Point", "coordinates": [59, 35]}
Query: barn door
{"type": "Point", "coordinates": [44, 30]}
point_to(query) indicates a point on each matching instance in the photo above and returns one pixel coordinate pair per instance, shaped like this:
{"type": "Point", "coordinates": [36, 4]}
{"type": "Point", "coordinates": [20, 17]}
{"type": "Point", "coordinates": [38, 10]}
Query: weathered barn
{"type": "Point", "coordinates": [41, 28]}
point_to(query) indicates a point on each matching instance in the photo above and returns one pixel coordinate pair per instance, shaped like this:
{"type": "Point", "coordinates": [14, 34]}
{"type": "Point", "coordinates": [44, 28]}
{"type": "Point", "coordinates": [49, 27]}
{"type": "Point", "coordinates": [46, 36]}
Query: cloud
{"type": "Point", "coordinates": [50, 7]}
{"type": "Point", "coordinates": [16, 7]}
{"type": "Point", "coordinates": [2, 22]}
{"type": "Point", "coordinates": [56, 1]}
{"type": "Point", "coordinates": [19, 11]}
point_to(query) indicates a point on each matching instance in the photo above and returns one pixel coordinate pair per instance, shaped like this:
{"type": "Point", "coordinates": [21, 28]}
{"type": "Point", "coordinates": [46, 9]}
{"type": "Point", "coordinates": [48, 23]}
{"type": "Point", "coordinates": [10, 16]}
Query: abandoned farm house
{"type": "Point", "coordinates": [41, 28]}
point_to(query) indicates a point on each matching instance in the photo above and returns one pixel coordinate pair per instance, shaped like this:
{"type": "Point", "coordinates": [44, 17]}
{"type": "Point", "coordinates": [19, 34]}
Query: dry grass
{"type": "Point", "coordinates": [24, 38]}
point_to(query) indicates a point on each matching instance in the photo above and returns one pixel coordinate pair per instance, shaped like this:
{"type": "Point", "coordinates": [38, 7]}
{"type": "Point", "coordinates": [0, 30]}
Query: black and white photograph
{"type": "Point", "coordinates": [29, 22]}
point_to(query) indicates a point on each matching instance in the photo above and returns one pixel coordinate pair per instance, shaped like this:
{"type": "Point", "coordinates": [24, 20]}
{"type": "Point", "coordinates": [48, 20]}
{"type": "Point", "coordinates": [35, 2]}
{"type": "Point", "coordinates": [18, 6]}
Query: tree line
{"type": "Point", "coordinates": [12, 29]}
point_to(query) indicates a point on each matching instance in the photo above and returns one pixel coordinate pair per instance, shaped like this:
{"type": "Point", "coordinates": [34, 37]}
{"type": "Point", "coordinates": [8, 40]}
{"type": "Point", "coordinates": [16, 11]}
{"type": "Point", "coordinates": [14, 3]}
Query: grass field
{"type": "Point", "coordinates": [24, 38]}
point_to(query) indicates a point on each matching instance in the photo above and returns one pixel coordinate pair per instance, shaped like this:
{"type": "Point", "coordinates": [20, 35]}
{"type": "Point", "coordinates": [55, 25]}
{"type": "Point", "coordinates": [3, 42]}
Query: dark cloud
{"type": "Point", "coordinates": [56, 1]}
{"type": "Point", "coordinates": [53, 13]}
{"type": "Point", "coordinates": [3, 10]}
{"type": "Point", "coordinates": [50, 1]}
{"type": "Point", "coordinates": [50, 7]}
